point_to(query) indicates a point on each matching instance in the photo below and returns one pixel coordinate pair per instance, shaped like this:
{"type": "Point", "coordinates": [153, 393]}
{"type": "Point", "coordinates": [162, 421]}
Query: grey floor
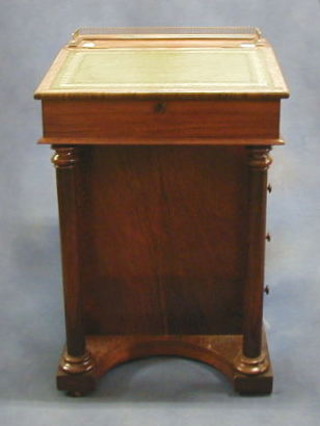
{"type": "Point", "coordinates": [158, 391]}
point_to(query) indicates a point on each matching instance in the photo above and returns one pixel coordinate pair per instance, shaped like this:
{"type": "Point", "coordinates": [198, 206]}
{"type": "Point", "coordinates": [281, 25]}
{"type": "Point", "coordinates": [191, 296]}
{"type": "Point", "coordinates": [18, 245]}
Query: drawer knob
{"type": "Point", "coordinates": [269, 188]}
{"type": "Point", "coordinates": [267, 290]}
{"type": "Point", "coordinates": [268, 237]}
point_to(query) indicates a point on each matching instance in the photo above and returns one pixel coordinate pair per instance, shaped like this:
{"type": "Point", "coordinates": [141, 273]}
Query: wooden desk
{"type": "Point", "coordinates": [162, 143]}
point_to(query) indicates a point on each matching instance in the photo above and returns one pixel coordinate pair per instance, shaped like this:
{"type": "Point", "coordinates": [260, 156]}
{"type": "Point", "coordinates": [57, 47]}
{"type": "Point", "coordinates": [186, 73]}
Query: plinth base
{"type": "Point", "coordinates": [222, 352]}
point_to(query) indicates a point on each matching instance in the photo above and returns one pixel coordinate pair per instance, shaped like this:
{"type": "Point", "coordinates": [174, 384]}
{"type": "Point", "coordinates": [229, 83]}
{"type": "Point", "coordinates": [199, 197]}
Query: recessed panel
{"type": "Point", "coordinates": [164, 240]}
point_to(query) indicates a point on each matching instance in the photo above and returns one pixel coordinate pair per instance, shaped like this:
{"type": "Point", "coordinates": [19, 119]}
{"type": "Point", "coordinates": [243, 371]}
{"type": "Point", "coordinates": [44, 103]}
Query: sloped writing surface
{"type": "Point", "coordinates": [164, 70]}
{"type": "Point", "coordinates": [157, 69]}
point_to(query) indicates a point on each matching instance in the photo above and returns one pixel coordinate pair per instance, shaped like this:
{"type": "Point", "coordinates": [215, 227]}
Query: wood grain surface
{"type": "Point", "coordinates": [165, 239]}
{"type": "Point", "coordinates": [156, 121]}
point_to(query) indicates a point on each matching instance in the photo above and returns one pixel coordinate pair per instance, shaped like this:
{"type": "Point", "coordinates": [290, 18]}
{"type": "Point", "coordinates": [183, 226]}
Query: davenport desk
{"type": "Point", "coordinates": [162, 140]}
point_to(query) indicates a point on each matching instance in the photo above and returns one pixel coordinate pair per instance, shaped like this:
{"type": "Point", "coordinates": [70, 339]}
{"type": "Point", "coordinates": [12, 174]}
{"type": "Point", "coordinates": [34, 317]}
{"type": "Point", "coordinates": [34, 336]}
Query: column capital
{"type": "Point", "coordinates": [65, 156]}
{"type": "Point", "coordinates": [259, 158]}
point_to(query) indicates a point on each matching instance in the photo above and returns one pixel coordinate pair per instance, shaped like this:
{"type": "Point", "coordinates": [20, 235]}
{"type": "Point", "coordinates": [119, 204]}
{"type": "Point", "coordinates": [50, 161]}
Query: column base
{"type": "Point", "coordinates": [76, 375]}
{"type": "Point", "coordinates": [252, 366]}
{"type": "Point", "coordinates": [76, 364]}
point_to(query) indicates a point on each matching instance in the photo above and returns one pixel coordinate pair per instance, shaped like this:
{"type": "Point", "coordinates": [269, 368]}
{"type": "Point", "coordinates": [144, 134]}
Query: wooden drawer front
{"type": "Point", "coordinates": [137, 121]}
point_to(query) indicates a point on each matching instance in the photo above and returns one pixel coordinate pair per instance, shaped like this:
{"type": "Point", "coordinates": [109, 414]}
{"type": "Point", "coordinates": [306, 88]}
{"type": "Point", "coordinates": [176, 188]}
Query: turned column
{"type": "Point", "coordinates": [75, 359]}
{"type": "Point", "coordinates": [253, 360]}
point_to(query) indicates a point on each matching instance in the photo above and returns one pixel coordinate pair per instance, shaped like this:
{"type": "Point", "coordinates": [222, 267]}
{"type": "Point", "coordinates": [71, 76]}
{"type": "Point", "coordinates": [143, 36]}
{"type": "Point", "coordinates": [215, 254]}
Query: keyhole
{"type": "Point", "coordinates": [160, 107]}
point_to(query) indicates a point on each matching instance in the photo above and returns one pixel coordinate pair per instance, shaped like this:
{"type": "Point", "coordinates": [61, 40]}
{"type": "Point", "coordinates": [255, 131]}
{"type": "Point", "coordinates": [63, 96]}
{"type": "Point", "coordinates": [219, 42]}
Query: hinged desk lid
{"type": "Point", "coordinates": [205, 62]}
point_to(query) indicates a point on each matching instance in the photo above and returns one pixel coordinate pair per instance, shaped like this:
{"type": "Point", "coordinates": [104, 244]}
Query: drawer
{"type": "Point", "coordinates": [160, 121]}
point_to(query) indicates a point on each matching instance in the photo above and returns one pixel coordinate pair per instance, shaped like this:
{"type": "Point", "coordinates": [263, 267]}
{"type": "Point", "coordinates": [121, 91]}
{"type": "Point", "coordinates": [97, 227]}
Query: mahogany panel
{"type": "Point", "coordinates": [164, 239]}
{"type": "Point", "coordinates": [113, 120]}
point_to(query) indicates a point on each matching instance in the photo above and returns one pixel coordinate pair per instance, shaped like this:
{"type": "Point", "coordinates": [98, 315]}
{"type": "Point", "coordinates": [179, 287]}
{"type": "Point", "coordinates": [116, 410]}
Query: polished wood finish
{"type": "Point", "coordinates": [219, 351]}
{"type": "Point", "coordinates": [162, 204]}
{"type": "Point", "coordinates": [66, 159]}
{"type": "Point", "coordinates": [258, 161]}
{"type": "Point", "coordinates": [155, 261]}
{"type": "Point", "coordinates": [137, 122]}
{"type": "Point", "coordinates": [66, 162]}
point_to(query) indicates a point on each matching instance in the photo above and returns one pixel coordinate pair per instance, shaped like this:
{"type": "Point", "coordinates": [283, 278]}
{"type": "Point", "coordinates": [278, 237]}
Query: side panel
{"type": "Point", "coordinates": [164, 239]}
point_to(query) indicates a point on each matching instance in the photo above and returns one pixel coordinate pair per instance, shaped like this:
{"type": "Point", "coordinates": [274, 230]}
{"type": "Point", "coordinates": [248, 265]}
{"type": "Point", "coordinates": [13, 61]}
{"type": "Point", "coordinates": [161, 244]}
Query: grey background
{"type": "Point", "coordinates": [159, 391]}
